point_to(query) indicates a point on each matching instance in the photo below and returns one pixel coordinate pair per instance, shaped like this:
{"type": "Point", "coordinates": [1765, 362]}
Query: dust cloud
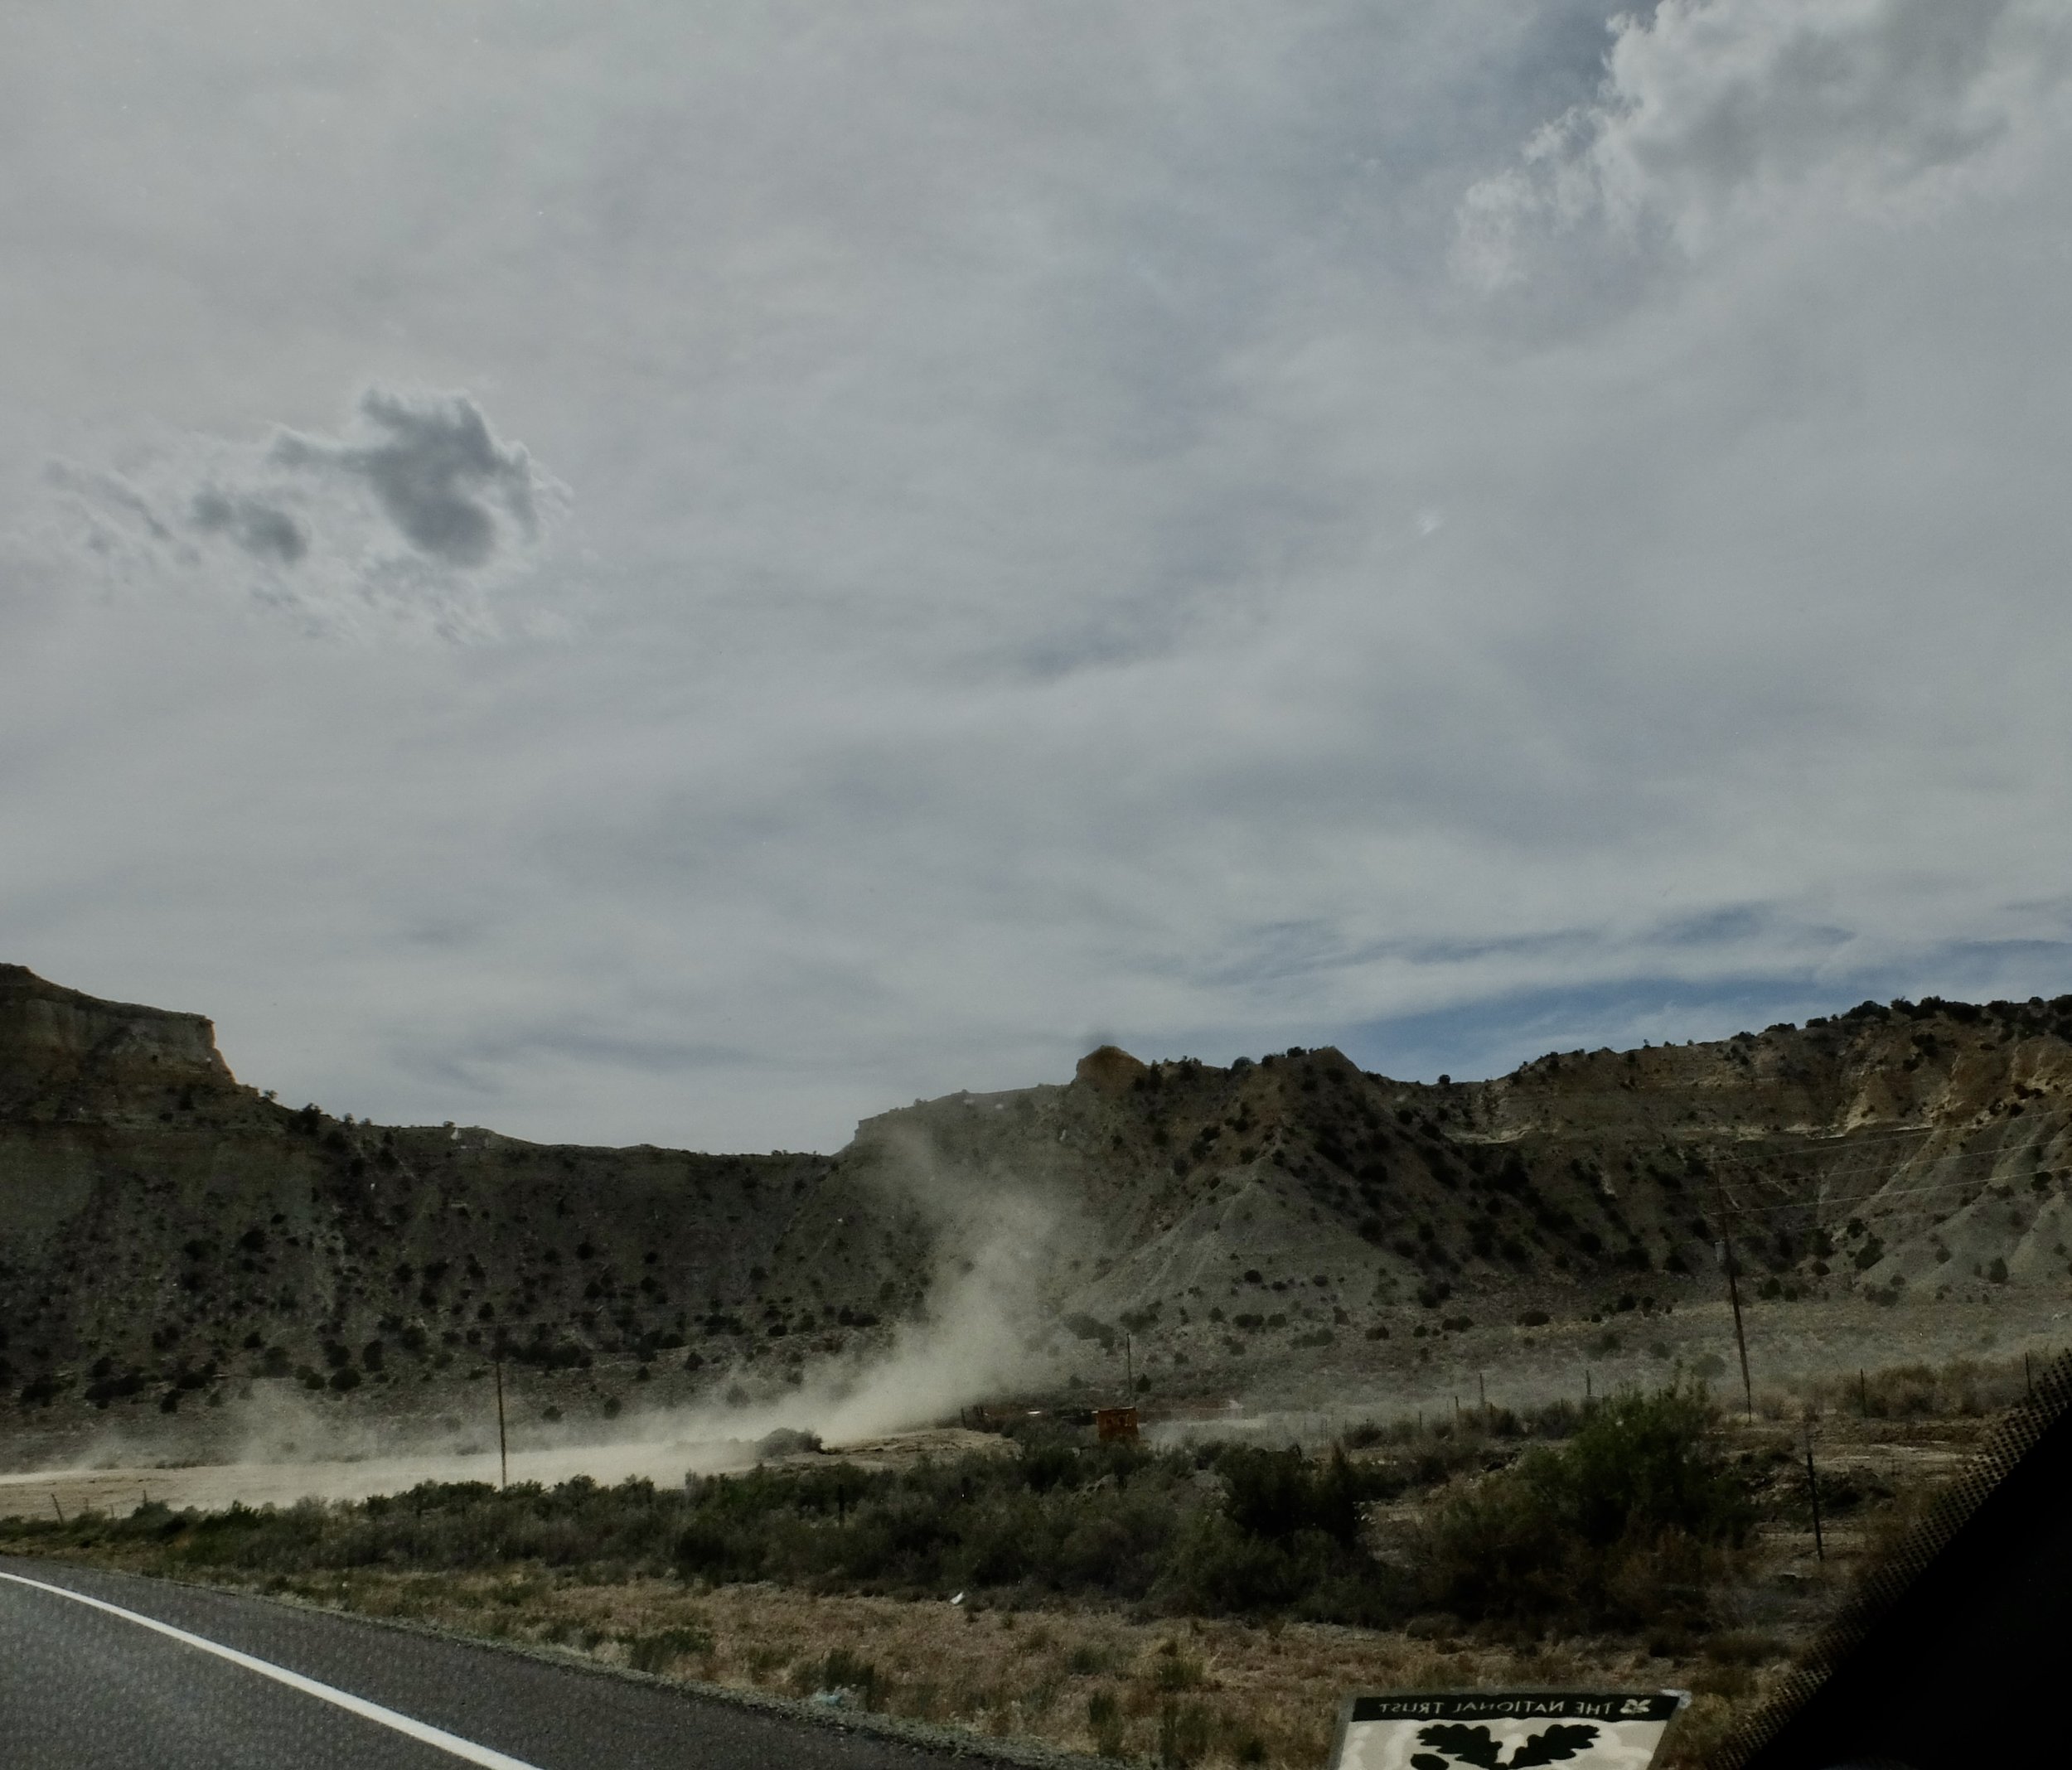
{"type": "Point", "coordinates": [982, 1330]}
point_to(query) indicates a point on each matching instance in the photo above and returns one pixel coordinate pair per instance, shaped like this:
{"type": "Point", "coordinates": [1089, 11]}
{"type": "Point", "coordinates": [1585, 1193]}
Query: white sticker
{"type": "Point", "coordinates": [1505, 1730]}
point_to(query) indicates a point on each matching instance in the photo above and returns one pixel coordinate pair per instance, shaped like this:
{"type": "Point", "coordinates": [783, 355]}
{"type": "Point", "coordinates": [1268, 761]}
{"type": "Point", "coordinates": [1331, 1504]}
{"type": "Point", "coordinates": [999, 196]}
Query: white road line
{"type": "Point", "coordinates": [352, 1705]}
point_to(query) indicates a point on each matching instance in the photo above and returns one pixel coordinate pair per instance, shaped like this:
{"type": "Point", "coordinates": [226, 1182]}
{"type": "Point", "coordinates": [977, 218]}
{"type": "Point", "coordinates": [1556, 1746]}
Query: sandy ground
{"type": "Point", "coordinates": [121, 1490]}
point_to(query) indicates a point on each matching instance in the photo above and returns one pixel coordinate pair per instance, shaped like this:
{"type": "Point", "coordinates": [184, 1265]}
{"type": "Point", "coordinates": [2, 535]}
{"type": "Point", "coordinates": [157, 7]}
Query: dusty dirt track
{"type": "Point", "coordinates": [119, 1491]}
{"type": "Point", "coordinates": [1801, 1353]}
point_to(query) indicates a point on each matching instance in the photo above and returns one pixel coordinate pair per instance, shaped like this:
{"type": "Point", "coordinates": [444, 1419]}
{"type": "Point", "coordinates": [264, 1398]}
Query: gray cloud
{"type": "Point", "coordinates": [259, 528]}
{"type": "Point", "coordinates": [403, 524]}
{"type": "Point", "coordinates": [434, 461]}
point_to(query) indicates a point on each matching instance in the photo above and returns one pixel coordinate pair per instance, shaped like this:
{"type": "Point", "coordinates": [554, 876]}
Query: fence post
{"type": "Point", "coordinates": [1812, 1492]}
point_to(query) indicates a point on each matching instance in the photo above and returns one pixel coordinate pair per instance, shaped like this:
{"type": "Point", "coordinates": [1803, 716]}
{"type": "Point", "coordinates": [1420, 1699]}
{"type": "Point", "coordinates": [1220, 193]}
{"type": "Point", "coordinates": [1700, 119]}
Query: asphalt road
{"type": "Point", "coordinates": [82, 1689]}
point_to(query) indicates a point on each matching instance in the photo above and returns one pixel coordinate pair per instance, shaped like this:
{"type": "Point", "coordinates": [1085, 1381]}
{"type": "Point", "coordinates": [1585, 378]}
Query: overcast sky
{"type": "Point", "coordinates": [687, 572]}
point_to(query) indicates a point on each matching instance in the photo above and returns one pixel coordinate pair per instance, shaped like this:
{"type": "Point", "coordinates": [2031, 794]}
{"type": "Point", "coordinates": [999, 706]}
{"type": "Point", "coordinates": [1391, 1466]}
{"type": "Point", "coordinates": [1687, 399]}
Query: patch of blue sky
{"type": "Point", "coordinates": [1493, 1035]}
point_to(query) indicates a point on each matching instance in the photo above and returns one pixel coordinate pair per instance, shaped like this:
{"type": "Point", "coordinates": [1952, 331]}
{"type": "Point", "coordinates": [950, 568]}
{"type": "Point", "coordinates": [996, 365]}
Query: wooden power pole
{"type": "Point", "coordinates": [1734, 1297]}
{"type": "Point", "coordinates": [503, 1450]}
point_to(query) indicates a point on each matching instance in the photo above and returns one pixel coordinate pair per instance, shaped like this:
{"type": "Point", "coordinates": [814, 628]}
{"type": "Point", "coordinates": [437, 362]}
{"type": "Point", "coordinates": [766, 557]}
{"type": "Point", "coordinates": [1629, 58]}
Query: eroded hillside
{"type": "Point", "coordinates": [168, 1235]}
{"type": "Point", "coordinates": [164, 1229]}
{"type": "Point", "coordinates": [1914, 1155]}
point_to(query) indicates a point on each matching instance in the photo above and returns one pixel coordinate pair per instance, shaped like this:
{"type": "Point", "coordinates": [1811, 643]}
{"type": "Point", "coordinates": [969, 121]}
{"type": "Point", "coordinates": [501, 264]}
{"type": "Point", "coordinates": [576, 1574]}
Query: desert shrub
{"type": "Point", "coordinates": [1185, 1732]}
{"type": "Point", "coordinates": [1088, 1327]}
{"type": "Point", "coordinates": [1629, 1521]}
{"type": "Point", "coordinates": [787, 1442]}
{"type": "Point", "coordinates": [1104, 1720]}
{"type": "Point", "coordinates": [1278, 1493]}
{"type": "Point", "coordinates": [40, 1391]}
{"type": "Point", "coordinates": [1113, 1523]}
{"type": "Point", "coordinates": [106, 1388]}
{"type": "Point", "coordinates": [658, 1649]}
{"type": "Point", "coordinates": [1648, 1461]}
{"type": "Point", "coordinates": [1285, 1539]}
{"type": "Point", "coordinates": [1047, 1462]}
{"type": "Point", "coordinates": [1056, 1518]}
{"type": "Point", "coordinates": [1220, 1569]}
{"type": "Point", "coordinates": [1274, 1533]}
{"type": "Point", "coordinates": [1963, 1387]}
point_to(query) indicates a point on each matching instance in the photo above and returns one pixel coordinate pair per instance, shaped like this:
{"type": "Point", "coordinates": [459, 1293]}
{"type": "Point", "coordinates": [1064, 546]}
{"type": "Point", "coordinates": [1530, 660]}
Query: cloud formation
{"type": "Point", "coordinates": [402, 524]}
{"type": "Point", "coordinates": [1061, 558]}
{"type": "Point", "coordinates": [434, 468]}
{"type": "Point", "coordinates": [261, 529]}
{"type": "Point", "coordinates": [1713, 114]}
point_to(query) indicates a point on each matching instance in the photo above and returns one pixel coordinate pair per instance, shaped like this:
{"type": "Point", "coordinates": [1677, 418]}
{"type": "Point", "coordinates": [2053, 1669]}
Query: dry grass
{"type": "Point", "coordinates": [1209, 1693]}
{"type": "Point", "coordinates": [1204, 1691]}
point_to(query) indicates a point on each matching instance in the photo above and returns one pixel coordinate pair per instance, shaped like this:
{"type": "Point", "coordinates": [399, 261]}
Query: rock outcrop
{"type": "Point", "coordinates": [60, 1049]}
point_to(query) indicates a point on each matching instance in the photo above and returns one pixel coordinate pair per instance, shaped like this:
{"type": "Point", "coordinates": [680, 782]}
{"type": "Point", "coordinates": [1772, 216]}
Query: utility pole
{"type": "Point", "coordinates": [503, 1448]}
{"type": "Point", "coordinates": [1734, 1297]}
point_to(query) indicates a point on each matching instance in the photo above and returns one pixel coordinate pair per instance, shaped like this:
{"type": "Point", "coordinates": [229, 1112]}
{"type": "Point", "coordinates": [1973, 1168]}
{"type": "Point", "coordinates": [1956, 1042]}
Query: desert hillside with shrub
{"type": "Point", "coordinates": [1891, 1179]}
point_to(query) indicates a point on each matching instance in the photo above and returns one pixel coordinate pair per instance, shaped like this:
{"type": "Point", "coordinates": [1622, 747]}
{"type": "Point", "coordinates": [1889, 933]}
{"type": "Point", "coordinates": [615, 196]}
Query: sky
{"type": "Point", "coordinates": [690, 571]}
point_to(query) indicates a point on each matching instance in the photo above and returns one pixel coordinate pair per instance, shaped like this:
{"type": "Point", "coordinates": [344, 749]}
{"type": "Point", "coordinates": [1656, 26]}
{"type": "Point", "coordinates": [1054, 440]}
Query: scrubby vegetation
{"type": "Point", "coordinates": [1631, 1523]}
{"type": "Point", "coordinates": [1599, 1528]}
{"type": "Point", "coordinates": [1166, 1598]}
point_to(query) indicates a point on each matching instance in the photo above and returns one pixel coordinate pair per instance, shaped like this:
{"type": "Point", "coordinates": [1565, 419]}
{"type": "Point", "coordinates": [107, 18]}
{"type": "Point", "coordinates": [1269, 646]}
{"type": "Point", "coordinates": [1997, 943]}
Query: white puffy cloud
{"type": "Point", "coordinates": [1716, 113]}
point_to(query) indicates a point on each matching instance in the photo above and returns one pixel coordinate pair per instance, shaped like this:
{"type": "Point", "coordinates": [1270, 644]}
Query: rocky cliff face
{"type": "Point", "coordinates": [1297, 1213]}
{"type": "Point", "coordinates": [165, 1231]}
{"type": "Point", "coordinates": [62, 1053]}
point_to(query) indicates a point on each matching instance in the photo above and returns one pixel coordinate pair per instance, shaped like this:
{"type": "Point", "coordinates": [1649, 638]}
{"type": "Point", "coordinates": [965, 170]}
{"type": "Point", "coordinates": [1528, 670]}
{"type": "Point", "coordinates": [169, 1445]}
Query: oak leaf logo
{"type": "Point", "coordinates": [1477, 1746]}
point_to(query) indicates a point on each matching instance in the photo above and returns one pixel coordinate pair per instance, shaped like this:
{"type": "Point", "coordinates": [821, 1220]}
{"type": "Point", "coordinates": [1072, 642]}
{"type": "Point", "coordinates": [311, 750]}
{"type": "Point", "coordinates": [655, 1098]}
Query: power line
{"type": "Point", "coordinates": [1824, 1175]}
{"type": "Point", "coordinates": [1824, 1180]}
{"type": "Point", "coordinates": [1809, 1141]}
{"type": "Point", "coordinates": [1951, 1188]}
{"type": "Point", "coordinates": [2001, 1151]}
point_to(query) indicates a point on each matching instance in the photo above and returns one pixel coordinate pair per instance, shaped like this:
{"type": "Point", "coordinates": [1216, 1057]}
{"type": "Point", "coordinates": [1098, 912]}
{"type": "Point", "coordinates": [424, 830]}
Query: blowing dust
{"type": "Point", "coordinates": [981, 1331]}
